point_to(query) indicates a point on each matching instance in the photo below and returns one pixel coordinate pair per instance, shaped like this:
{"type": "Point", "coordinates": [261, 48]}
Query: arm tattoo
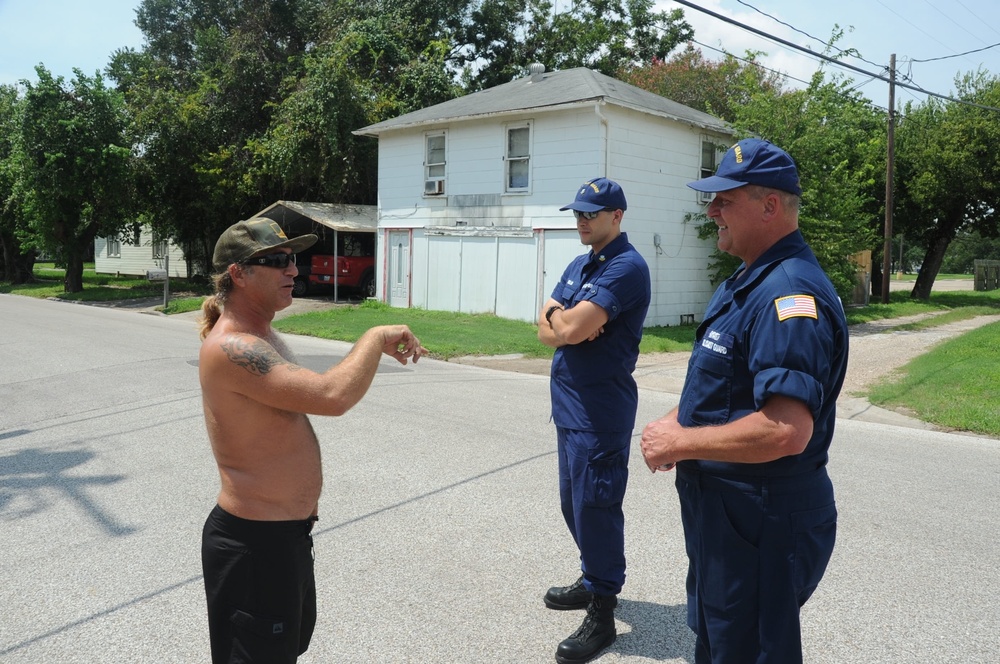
{"type": "Point", "coordinates": [257, 356]}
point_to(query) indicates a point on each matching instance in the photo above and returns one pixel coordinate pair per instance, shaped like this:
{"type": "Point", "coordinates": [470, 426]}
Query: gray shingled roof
{"type": "Point", "coordinates": [553, 89]}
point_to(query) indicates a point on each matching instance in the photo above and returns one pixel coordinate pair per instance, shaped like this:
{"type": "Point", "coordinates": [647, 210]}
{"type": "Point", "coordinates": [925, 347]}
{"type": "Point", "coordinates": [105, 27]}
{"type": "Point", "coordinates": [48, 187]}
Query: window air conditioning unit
{"type": "Point", "coordinates": [705, 196]}
{"type": "Point", "coordinates": [433, 187]}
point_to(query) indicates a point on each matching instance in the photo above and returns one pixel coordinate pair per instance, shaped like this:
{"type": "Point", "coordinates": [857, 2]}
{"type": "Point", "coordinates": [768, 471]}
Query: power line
{"type": "Point", "coordinates": [915, 27]}
{"type": "Point", "coordinates": [838, 63]}
{"type": "Point", "coordinates": [781, 73]}
{"type": "Point", "coordinates": [981, 21]}
{"type": "Point", "coordinates": [957, 55]}
{"type": "Point", "coordinates": [956, 23]}
{"type": "Point", "coordinates": [849, 52]}
{"type": "Point", "coordinates": [749, 62]}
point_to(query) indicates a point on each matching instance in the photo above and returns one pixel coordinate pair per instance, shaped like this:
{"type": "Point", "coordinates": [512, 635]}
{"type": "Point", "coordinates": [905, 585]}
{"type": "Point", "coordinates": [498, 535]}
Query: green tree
{"type": "Point", "coordinates": [502, 37]}
{"type": "Point", "coordinates": [368, 73]}
{"type": "Point", "coordinates": [947, 175]}
{"type": "Point", "coordinates": [963, 252]}
{"type": "Point", "coordinates": [74, 164]}
{"type": "Point", "coordinates": [715, 87]}
{"type": "Point", "coordinates": [836, 137]}
{"type": "Point", "coordinates": [201, 93]}
{"type": "Point", "coordinates": [16, 261]}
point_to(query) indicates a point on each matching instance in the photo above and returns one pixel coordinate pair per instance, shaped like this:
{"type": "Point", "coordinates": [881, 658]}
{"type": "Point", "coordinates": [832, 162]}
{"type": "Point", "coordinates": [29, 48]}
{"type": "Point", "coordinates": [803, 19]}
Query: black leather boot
{"type": "Point", "coordinates": [566, 598]}
{"type": "Point", "coordinates": [595, 634]}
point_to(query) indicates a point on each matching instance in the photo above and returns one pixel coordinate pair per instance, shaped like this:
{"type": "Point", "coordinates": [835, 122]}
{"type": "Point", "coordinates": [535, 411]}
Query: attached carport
{"type": "Point", "coordinates": [326, 220]}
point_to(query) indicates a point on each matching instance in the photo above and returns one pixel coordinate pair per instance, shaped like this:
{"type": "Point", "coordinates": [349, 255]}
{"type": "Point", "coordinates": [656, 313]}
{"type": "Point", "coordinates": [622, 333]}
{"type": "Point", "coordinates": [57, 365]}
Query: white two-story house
{"type": "Point", "coordinates": [470, 191]}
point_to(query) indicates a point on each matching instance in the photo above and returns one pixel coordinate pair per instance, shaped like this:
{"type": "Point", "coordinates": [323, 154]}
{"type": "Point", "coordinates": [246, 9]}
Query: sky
{"type": "Point", "coordinates": [910, 29]}
{"type": "Point", "coordinates": [63, 34]}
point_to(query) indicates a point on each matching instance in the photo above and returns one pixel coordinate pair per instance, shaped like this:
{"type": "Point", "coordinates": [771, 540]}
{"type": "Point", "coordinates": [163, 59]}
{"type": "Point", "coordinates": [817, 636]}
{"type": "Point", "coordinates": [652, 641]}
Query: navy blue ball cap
{"type": "Point", "coordinates": [598, 194]}
{"type": "Point", "coordinates": [753, 161]}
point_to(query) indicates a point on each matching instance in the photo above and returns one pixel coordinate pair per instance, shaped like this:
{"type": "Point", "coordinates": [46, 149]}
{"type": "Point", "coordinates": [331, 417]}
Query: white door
{"type": "Point", "coordinates": [399, 269]}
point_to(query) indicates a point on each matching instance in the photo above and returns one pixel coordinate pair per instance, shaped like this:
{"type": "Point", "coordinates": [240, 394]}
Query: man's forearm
{"type": "Point", "coordinates": [782, 428]}
{"type": "Point", "coordinates": [351, 378]}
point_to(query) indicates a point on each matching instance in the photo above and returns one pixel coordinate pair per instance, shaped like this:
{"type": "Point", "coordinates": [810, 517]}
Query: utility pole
{"type": "Point", "coordinates": [890, 156]}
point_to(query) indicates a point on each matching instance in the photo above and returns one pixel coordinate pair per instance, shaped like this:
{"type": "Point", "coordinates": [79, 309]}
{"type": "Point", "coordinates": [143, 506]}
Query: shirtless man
{"type": "Point", "coordinates": [256, 547]}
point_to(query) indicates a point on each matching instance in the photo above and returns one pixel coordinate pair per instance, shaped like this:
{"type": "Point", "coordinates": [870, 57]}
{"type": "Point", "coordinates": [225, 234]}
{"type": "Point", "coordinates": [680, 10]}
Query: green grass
{"type": "Point", "coordinates": [448, 334]}
{"type": "Point", "coordinates": [182, 305]}
{"type": "Point", "coordinates": [912, 276]}
{"type": "Point", "coordinates": [901, 305]}
{"type": "Point", "coordinates": [955, 385]}
{"type": "Point", "coordinates": [667, 339]}
{"type": "Point", "coordinates": [445, 334]}
{"type": "Point", "coordinates": [97, 287]}
{"type": "Point", "coordinates": [949, 316]}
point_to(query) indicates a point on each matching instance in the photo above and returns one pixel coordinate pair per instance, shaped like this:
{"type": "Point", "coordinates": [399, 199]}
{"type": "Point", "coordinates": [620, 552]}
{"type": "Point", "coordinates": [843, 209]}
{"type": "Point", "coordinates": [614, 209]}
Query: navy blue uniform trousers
{"type": "Point", "coordinates": [593, 474]}
{"type": "Point", "coordinates": [757, 549]}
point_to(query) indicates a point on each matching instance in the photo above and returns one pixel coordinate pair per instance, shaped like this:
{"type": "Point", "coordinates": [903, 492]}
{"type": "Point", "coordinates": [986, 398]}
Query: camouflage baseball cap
{"type": "Point", "coordinates": [246, 239]}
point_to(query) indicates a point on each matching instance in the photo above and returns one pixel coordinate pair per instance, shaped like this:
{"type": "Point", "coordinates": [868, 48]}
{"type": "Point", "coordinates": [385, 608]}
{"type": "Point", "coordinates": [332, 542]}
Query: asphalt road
{"type": "Point", "coordinates": [439, 525]}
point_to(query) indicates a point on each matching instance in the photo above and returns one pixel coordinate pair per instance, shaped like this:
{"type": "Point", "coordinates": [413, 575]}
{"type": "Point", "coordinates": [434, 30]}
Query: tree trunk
{"type": "Point", "coordinates": [73, 282]}
{"type": "Point", "coordinates": [933, 258]}
{"type": "Point", "coordinates": [876, 285]}
{"type": "Point", "coordinates": [18, 265]}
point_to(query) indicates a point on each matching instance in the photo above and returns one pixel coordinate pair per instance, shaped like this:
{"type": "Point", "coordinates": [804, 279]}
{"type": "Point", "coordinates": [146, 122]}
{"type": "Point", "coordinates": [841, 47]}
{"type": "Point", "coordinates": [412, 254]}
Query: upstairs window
{"type": "Point", "coordinates": [711, 153]}
{"type": "Point", "coordinates": [517, 158]}
{"type": "Point", "coordinates": [434, 164]}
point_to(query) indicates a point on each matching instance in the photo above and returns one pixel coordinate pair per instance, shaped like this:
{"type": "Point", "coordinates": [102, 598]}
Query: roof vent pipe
{"type": "Point", "coordinates": [536, 69]}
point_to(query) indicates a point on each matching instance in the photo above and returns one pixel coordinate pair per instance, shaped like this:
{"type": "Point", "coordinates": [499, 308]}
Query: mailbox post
{"type": "Point", "coordinates": [164, 276]}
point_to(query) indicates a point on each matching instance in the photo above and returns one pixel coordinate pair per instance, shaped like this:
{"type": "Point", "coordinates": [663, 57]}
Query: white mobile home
{"type": "Point", "coordinates": [470, 191]}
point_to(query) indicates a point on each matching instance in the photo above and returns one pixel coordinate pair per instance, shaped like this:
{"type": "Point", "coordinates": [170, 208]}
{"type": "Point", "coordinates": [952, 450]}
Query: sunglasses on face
{"type": "Point", "coordinates": [279, 260]}
{"type": "Point", "coordinates": [590, 216]}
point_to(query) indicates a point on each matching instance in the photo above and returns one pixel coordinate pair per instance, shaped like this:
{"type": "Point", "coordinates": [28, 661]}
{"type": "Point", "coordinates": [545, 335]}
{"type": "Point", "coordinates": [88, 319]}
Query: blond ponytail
{"type": "Point", "coordinates": [211, 308]}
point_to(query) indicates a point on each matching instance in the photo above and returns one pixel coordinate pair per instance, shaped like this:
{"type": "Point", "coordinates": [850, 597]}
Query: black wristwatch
{"type": "Point", "coordinates": [552, 310]}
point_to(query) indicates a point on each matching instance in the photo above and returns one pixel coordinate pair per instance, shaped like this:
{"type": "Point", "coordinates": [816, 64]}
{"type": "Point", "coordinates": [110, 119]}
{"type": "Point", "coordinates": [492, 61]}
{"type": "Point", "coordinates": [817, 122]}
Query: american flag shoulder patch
{"type": "Point", "coordinates": [791, 306]}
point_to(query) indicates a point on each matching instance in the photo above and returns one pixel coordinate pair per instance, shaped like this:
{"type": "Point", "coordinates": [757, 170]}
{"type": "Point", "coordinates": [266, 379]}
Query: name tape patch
{"type": "Point", "coordinates": [719, 343]}
{"type": "Point", "coordinates": [793, 306]}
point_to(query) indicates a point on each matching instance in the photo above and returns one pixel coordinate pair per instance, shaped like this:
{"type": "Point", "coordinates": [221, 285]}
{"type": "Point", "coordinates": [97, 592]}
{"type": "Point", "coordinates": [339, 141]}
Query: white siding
{"type": "Point", "coordinates": [654, 160]}
{"type": "Point", "coordinates": [467, 262]}
{"type": "Point", "coordinates": [478, 275]}
{"type": "Point", "coordinates": [564, 154]}
{"type": "Point", "coordinates": [441, 287]}
{"type": "Point", "coordinates": [561, 247]}
{"type": "Point", "coordinates": [135, 260]}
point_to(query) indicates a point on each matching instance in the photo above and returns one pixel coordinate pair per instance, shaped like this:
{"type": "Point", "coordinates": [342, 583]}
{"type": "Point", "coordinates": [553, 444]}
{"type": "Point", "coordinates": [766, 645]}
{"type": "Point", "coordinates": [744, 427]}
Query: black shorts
{"type": "Point", "coordinates": [260, 587]}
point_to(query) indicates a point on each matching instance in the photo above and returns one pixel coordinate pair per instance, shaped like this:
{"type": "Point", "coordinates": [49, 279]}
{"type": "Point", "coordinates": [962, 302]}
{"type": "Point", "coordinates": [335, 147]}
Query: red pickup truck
{"type": "Point", "coordinates": [353, 270]}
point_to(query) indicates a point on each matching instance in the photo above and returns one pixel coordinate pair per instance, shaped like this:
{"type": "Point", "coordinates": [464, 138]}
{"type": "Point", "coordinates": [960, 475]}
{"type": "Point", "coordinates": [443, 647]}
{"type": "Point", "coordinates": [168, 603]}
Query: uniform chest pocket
{"type": "Point", "coordinates": [569, 293]}
{"type": "Point", "coordinates": [715, 362]}
{"type": "Point", "coordinates": [708, 388]}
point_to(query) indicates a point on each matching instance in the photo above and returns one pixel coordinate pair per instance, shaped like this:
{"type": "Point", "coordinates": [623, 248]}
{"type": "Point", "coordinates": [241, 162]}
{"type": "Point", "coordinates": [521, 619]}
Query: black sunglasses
{"type": "Point", "coordinates": [590, 216]}
{"type": "Point", "coordinates": [279, 260]}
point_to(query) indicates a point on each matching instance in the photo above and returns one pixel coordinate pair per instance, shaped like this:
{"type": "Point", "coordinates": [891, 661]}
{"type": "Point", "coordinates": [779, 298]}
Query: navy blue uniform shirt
{"type": "Point", "coordinates": [592, 386]}
{"type": "Point", "coordinates": [775, 328]}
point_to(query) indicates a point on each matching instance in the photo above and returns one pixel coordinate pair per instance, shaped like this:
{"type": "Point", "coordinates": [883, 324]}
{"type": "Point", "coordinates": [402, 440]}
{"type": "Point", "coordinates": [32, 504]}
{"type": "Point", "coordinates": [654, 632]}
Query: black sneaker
{"type": "Point", "coordinates": [568, 598]}
{"type": "Point", "coordinates": [595, 634]}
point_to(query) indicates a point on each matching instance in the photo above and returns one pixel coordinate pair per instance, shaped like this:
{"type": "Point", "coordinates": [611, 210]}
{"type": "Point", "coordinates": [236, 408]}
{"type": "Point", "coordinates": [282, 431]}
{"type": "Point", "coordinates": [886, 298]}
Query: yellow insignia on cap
{"type": "Point", "coordinates": [792, 306]}
{"type": "Point", "coordinates": [277, 230]}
